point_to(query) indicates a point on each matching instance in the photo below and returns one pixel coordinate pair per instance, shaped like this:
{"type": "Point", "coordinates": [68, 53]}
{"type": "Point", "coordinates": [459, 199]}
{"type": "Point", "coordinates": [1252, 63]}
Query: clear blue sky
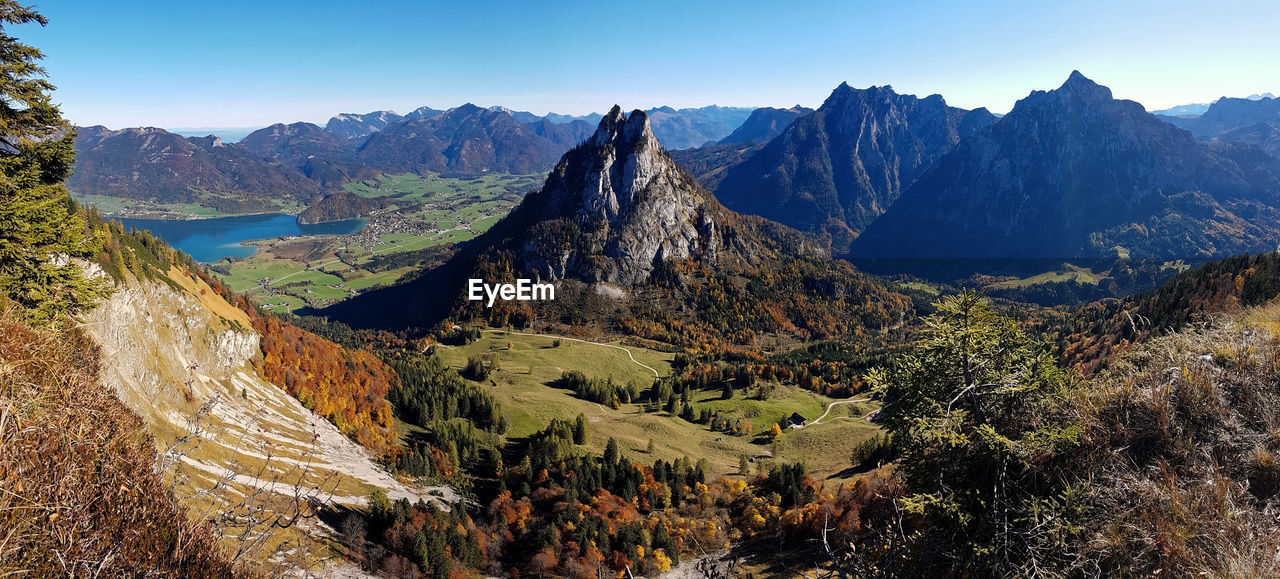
{"type": "Point", "coordinates": [233, 63]}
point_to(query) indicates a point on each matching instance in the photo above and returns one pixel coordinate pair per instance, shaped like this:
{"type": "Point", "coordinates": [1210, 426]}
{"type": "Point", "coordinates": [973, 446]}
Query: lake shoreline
{"type": "Point", "coordinates": [213, 239]}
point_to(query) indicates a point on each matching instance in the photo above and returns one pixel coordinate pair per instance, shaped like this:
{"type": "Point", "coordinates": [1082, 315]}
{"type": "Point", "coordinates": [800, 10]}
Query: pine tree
{"type": "Point", "coordinates": [982, 416]}
{"type": "Point", "coordinates": [580, 429]}
{"type": "Point", "coordinates": [40, 227]}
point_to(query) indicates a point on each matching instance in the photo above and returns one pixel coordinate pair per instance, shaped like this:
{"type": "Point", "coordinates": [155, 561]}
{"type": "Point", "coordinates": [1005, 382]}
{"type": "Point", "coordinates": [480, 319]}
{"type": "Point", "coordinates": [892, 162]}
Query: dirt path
{"type": "Point", "coordinates": [553, 336]}
{"type": "Point", "coordinates": [833, 405]}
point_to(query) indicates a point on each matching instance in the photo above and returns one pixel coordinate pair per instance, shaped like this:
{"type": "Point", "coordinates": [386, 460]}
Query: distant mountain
{"type": "Point", "coordinates": [593, 119]}
{"type": "Point", "coordinates": [466, 140]}
{"type": "Point", "coordinates": [1074, 172]}
{"type": "Point", "coordinates": [423, 113]}
{"type": "Point", "coordinates": [564, 135]}
{"type": "Point", "coordinates": [227, 134]}
{"type": "Point", "coordinates": [1189, 110]}
{"type": "Point", "coordinates": [685, 128]}
{"type": "Point", "coordinates": [838, 168]}
{"type": "Point", "coordinates": [156, 165]}
{"type": "Point", "coordinates": [1252, 121]}
{"type": "Point", "coordinates": [354, 126]}
{"type": "Point", "coordinates": [520, 116]}
{"type": "Point", "coordinates": [765, 124]}
{"type": "Point", "coordinates": [319, 154]}
{"type": "Point", "coordinates": [630, 240]}
{"type": "Point", "coordinates": [1197, 109]}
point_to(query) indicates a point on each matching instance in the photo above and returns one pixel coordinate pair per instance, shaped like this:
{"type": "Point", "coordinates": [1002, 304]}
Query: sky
{"type": "Point", "coordinates": [233, 63]}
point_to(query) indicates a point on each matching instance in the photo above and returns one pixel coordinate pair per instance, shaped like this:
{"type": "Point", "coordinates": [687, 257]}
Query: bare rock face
{"type": "Point", "coordinates": [615, 207]}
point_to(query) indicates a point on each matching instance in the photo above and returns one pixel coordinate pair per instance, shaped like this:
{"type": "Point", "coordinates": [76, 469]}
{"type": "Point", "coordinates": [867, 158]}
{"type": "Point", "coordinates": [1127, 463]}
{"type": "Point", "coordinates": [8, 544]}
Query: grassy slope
{"type": "Point", "coordinates": [524, 382]}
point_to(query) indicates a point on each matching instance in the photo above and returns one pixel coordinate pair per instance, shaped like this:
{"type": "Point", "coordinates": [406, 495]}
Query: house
{"type": "Point", "coordinates": [796, 421]}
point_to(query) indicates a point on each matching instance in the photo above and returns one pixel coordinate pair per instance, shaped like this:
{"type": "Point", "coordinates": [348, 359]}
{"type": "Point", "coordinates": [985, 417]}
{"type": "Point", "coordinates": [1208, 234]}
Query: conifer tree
{"type": "Point", "coordinates": [40, 228]}
{"type": "Point", "coordinates": [981, 413]}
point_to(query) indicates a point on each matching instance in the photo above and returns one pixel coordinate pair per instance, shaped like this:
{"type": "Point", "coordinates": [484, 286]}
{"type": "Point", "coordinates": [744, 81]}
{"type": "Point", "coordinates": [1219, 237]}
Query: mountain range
{"type": "Point", "coordinates": [1074, 172]}
{"type": "Point", "coordinates": [302, 160]}
{"type": "Point", "coordinates": [1070, 172]}
{"type": "Point", "coordinates": [834, 170]}
{"type": "Point", "coordinates": [1197, 109]}
{"type": "Point", "coordinates": [1254, 121]}
{"type": "Point", "coordinates": [154, 164]}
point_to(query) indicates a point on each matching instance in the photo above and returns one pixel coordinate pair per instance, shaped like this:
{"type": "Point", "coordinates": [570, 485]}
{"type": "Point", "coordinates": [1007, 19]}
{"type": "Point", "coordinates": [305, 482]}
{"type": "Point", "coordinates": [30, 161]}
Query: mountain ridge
{"type": "Point", "coordinates": [1072, 172]}
{"type": "Point", "coordinates": [833, 171]}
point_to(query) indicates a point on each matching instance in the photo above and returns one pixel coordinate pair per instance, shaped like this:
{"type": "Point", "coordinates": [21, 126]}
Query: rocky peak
{"type": "Point", "coordinates": [631, 203]}
{"type": "Point", "coordinates": [1081, 87]}
{"type": "Point", "coordinates": [627, 159]}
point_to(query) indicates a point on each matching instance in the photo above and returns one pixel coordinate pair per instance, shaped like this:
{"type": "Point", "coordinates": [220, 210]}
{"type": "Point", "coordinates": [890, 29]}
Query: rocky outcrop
{"type": "Point", "coordinates": [616, 206]}
{"type": "Point", "coordinates": [166, 353]}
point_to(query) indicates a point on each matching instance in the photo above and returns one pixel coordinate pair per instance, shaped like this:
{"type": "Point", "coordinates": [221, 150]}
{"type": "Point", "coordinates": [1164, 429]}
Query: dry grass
{"type": "Point", "coordinates": [1179, 449]}
{"type": "Point", "coordinates": [78, 491]}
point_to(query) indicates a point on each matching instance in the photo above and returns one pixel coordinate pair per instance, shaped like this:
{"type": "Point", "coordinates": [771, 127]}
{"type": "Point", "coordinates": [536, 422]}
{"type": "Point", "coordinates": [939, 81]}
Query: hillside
{"type": "Point", "coordinates": [764, 124]}
{"type": "Point", "coordinates": [1094, 335]}
{"type": "Point", "coordinates": [319, 155]}
{"type": "Point", "coordinates": [155, 165]}
{"type": "Point", "coordinates": [1072, 173]}
{"type": "Point", "coordinates": [81, 493]}
{"type": "Point", "coordinates": [243, 405]}
{"type": "Point", "coordinates": [633, 243]}
{"type": "Point", "coordinates": [340, 206]}
{"type": "Point", "coordinates": [835, 170]}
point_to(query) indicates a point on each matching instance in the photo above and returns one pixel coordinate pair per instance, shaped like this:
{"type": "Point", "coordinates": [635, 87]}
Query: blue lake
{"type": "Point", "coordinates": [209, 240]}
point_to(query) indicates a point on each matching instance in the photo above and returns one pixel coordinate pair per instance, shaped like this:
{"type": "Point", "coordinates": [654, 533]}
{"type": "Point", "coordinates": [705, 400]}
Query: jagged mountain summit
{"type": "Point", "coordinates": [637, 206]}
{"type": "Point", "coordinates": [628, 237]}
{"type": "Point", "coordinates": [1073, 172]}
{"type": "Point", "coordinates": [835, 170]}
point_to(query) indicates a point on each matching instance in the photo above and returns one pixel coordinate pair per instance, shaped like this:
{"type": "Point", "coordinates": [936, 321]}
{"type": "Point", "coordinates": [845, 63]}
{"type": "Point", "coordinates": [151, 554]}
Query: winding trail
{"type": "Point", "coordinates": [553, 336]}
{"type": "Point", "coordinates": [833, 405]}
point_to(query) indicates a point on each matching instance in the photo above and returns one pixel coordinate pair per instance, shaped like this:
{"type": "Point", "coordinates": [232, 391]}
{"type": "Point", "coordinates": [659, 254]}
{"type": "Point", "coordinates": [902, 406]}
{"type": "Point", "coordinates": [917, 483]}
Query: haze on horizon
{"type": "Point", "coordinates": [242, 64]}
